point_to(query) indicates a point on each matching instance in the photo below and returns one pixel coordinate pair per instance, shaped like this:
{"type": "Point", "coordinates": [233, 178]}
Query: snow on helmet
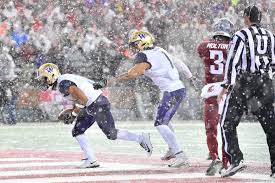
{"type": "Point", "coordinates": [223, 27]}
{"type": "Point", "coordinates": [47, 74]}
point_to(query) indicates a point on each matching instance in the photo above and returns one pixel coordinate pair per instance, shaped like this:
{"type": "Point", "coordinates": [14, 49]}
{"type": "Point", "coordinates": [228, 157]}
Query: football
{"type": "Point", "coordinates": [63, 113]}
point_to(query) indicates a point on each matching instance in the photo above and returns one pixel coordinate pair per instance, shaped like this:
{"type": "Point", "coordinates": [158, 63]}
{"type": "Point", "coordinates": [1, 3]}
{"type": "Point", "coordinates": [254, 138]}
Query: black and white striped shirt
{"type": "Point", "coordinates": [251, 50]}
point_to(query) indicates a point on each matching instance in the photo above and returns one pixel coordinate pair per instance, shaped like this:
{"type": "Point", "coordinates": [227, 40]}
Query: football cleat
{"type": "Point", "coordinates": [146, 143]}
{"type": "Point", "coordinates": [233, 169]}
{"type": "Point", "coordinates": [88, 164]}
{"type": "Point", "coordinates": [168, 155]}
{"type": "Point", "coordinates": [215, 166]}
{"type": "Point", "coordinates": [180, 160]}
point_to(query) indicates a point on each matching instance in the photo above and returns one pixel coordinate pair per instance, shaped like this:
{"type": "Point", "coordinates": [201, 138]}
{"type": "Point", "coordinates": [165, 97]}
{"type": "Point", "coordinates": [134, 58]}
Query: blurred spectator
{"type": "Point", "coordinates": [4, 26]}
{"type": "Point", "coordinates": [90, 36]}
{"type": "Point", "coordinates": [7, 78]}
{"type": "Point", "coordinates": [19, 39]}
{"type": "Point", "coordinates": [137, 14]}
{"type": "Point", "coordinates": [231, 15]}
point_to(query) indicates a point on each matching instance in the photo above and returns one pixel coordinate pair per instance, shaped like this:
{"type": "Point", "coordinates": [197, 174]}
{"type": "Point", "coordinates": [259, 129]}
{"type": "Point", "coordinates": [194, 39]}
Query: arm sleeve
{"type": "Point", "coordinates": [141, 58]}
{"type": "Point", "coordinates": [182, 68]}
{"type": "Point", "coordinates": [64, 86]}
{"type": "Point", "coordinates": [233, 60]}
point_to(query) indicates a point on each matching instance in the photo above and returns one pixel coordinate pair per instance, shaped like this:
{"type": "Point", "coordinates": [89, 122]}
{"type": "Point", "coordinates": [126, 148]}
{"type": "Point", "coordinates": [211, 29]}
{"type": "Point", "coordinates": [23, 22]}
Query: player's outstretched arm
{"type": "Point", "coordinates": [132, 73]}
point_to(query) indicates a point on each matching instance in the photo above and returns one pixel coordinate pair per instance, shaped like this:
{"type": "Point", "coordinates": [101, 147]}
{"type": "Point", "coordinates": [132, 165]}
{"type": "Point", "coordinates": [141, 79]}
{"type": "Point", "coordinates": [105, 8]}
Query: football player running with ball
{"type": "Point", "coordinates": [214, 53]}
{"type": "Point", "coordinates": [89, 106]}
{"type": "Point", "coordinates": [155, 63]}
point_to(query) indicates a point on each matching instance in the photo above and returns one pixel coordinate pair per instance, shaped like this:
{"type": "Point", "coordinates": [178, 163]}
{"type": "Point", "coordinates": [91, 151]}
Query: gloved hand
{"type": "Point", "coordinates": [69, 118]}
{"type": "Point", "coordinates": [100, 84]}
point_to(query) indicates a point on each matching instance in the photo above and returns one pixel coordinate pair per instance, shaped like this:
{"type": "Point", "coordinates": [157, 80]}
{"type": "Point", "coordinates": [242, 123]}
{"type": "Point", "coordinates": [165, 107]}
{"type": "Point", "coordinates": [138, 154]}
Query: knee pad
{"type": "Point", "coordinates": [158, 123]}
{"type": "Point", "coordinates": [112, 134]}
{"type": "Point", "coordinates": [159, 127]}
{"type": "Point", "coordinates": [161, 121]}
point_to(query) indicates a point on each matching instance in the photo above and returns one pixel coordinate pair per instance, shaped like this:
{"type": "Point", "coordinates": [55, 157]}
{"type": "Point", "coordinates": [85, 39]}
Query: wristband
{"type": "Point", "coordinates": [79, 106]}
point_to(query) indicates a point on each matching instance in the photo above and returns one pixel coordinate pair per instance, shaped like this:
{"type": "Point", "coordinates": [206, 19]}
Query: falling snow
{"type": "Point", "coordinates": [89, 38]}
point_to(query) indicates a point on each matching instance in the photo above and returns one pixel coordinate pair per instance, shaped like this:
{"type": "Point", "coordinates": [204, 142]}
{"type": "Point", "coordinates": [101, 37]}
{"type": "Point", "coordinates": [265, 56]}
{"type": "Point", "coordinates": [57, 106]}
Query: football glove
{"type": "Point", "coordinates": [100, 84]}
{"type": "Point", "coordinates": [69, 118]}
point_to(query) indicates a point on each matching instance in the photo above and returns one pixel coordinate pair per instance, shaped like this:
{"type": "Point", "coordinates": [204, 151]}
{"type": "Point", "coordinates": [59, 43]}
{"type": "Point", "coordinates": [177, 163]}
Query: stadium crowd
{"type": "Point", "coordinates": [88, 37]}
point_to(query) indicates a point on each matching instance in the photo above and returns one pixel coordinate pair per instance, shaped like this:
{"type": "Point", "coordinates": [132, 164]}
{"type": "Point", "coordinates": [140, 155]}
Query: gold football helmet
{"type": "Point", "coordinates": [141, 40]}
{"type": "Point", "coordinates": [47, 74]}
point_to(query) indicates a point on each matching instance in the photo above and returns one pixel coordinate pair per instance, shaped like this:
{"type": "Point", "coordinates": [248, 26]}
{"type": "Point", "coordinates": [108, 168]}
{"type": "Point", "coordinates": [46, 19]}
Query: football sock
{"type": "Point", "coordinates": [169, 137]}
{"type": "Point", "coordinates": [126, 135]}
{"type": "Point", "coordinates": [84, 144]}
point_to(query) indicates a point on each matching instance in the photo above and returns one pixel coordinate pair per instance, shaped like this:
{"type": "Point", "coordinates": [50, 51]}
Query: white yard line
{"type": "Point", "coordinates": [152, 177]}
{"type": "Point", "coordinates": [142, 124]}
{"type": "Point", "coordinates": [22, 159]}
{"type": "Point", "coordinates": [103, 167]}
{"type": "Point", "coordinates": [33, 164]}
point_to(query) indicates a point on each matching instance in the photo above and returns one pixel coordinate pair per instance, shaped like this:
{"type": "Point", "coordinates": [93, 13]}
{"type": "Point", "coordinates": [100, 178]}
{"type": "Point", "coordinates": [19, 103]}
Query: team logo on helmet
{"type": "Point", "coordinates": [49, 70]}
{"type": "Point", "coordinates": [141, 36]}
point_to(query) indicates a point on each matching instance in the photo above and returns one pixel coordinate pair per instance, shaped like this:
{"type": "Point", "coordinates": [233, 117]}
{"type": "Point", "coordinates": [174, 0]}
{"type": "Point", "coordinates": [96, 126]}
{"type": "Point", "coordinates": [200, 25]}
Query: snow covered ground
{"type": "Point", "coordinates": [46, 152]}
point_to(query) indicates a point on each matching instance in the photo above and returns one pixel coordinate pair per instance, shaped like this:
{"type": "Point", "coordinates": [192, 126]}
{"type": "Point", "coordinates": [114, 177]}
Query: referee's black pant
{"type": "Point", "coordinates": [255, 93]}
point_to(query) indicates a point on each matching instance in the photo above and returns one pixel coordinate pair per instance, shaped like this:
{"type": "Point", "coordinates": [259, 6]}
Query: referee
{"type": "Point", "coordinates": [248, 85]}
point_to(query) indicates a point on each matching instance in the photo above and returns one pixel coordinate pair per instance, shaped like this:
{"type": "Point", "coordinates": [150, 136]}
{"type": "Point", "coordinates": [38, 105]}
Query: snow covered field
{"type": "Point", "coordinates": [46, 152]}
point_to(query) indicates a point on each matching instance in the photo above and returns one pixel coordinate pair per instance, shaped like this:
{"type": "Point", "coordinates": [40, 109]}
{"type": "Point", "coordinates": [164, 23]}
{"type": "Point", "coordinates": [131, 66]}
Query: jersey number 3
{"type": "Point", "coordinates": [218, 66]}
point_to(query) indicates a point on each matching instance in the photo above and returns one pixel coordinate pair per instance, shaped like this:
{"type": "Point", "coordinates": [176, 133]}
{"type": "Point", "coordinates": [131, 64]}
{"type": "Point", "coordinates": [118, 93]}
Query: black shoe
{"type": "Point", "coordinates": [233, 169]}
{"type": "Point", "coordinates": [272, 175]}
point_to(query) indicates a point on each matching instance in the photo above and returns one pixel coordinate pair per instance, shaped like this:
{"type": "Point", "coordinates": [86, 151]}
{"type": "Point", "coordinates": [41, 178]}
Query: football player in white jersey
{"type": "Point", "coordinates": [155, 63]}
{"type": "Point", "coordinates": [89, 106]}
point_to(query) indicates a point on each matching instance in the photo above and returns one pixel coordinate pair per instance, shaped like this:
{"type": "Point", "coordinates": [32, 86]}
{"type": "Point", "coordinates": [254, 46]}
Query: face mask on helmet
{"type": "Point", "coordinates": [134, 46]}
{"type": "Point", "coordinates": [42, 83]}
